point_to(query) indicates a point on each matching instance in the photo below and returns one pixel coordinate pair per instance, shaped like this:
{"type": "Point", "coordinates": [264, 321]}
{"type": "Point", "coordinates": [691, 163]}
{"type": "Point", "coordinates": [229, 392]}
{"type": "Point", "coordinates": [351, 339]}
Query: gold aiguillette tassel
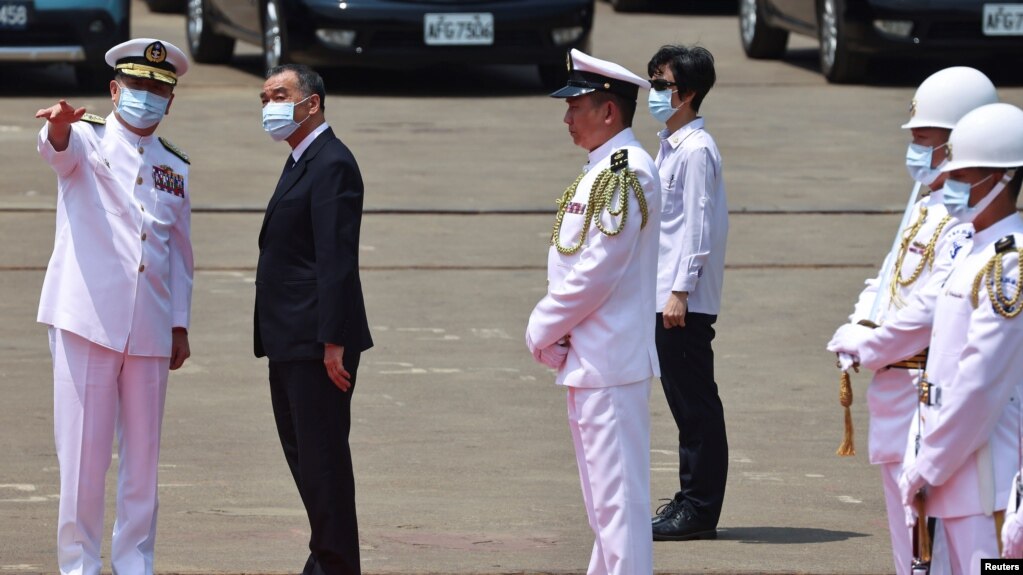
{"type": "Point", "coordinates": [845, 397]}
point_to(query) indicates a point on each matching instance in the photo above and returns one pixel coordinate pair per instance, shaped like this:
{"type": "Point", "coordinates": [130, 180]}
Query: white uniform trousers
{"type": "Point", "coordinates": [902, 542]}
{"type": "Point", "coordinates": [967, 540]}
{"type": "Point", "coordinates": [96, 391]}
{"type": "Point", "coordinates": [611, 431]}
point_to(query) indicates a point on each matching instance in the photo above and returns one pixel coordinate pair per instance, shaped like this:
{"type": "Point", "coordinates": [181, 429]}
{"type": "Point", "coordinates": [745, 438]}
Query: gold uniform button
{"type": "Point", "coordinates": [142, 268]}
{"type": "Point", "coordinates": [141, 149]}
{"type": "Point", "coordinates": [138, 180]}
{"type": "Point", "coordinates": [143, 236]}
{"type": "Point", "coordinates": [141, 207]}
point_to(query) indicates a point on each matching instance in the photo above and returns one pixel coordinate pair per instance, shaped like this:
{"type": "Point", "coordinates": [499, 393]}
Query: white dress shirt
{"type": "Point", "coordinates": [603, 295]}
{"type": "Point", "coordinates": [121, 270]}
{"type": "Point", "coordinates": [694, 219]}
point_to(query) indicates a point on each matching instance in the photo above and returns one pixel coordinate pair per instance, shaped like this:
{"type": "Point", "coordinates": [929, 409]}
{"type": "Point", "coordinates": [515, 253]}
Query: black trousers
{"type": "Point", "coordinates": [313, 420]}
{"type": "Point", "coordinates": [687, 376]}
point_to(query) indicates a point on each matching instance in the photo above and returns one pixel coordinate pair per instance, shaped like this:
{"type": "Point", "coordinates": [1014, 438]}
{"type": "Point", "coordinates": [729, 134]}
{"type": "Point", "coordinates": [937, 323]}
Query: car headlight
{"type": "Point", "coordinates": [900, 28]}
{"type": "Point", "coordinates": [336, 38]}
{"type": "Point", "coordinates": [562, 36]}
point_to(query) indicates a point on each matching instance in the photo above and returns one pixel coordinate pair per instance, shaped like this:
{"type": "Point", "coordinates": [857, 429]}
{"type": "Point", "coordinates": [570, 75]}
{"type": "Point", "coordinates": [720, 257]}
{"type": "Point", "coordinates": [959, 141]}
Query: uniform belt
{"type": "Point", "coordinates": [918, 361]}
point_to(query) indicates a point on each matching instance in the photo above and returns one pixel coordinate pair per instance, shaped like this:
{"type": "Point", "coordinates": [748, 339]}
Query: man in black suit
{"type": "Point", "coordinates": [310, 318]}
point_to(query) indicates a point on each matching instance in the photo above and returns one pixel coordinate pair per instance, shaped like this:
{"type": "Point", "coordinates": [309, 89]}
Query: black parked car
{"type": "Point", "coordinates": [78, 32]}
{"type": "Point", "coordinates": [853, 31]}
{"type": "Point", "coordinates": [394, 33]}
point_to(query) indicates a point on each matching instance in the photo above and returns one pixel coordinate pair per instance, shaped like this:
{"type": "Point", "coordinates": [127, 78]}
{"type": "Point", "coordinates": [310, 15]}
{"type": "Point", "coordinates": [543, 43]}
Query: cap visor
{"type": "Point", "coordinates": [570, 91]}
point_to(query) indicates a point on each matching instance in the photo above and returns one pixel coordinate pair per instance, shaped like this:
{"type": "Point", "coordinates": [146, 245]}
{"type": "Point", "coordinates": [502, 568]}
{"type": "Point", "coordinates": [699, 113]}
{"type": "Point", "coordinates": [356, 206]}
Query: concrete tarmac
{"type": "Point", "coordinates": [463, 458]}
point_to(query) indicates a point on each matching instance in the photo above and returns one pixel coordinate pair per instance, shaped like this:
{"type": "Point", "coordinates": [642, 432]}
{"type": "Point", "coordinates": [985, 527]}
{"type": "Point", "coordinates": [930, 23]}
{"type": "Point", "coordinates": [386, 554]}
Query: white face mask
{"type": "Point", "coordinates": [956, 197]}
{"type": "Point", "coordinates": [279, 119]}
{"type": "Point", "coordinates": [918, 162]}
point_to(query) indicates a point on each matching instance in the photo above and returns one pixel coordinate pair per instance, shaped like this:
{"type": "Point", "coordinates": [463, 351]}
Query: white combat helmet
{"type": "Point", "coordinates": [947, 95]}
{"type": "Point", "coordinates": [989, 137]}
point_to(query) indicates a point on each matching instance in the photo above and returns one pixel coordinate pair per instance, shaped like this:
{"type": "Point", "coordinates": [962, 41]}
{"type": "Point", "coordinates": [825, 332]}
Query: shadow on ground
{"type": "Point", "coordinates": [785, 535]}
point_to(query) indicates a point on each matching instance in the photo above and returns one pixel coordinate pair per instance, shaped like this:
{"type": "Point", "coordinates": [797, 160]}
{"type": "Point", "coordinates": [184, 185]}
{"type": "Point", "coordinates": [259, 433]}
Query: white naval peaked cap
{"type": "Point", "coordinates": [588, 74]}
{"type": "Point", "coordinates": [149, 58]}
{"type": "Point", "coordinates": [947, 95]}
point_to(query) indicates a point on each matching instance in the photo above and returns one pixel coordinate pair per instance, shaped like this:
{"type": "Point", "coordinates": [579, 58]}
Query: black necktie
{"type": "Point", "coordinates": [287, 167]}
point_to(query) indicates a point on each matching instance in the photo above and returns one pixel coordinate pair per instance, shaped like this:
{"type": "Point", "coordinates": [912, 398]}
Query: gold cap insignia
{"type": "Point", "coordinates": [156, 53]}
{"type": "Point", "coordinates": [568, 61]}
{"type": "Point", "coordinates": [948, 151]}
{"type": "Point", "coordinates": [912, 108]}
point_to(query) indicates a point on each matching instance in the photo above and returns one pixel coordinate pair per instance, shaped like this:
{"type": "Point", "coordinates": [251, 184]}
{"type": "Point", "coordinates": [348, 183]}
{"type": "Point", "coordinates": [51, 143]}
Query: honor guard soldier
{"type": "Point", "coordinates": [116, 297]}
{"type": "Point", "coordinates": [593, 326]}
{"type": "Point", "coordinates": [923, 251]}
{"type": "Point", "coordinates": [969, 392]}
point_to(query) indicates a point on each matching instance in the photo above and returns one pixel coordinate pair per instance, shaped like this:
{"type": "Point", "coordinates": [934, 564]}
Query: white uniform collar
{"type": "Point", "coordinates": [1003, 227]}
{"type": "Point", "coordinates": [306, 141]}
{"type": "Point", "coordinates": [619, 140]}
{"type": "Point", "coordinates": [675, 140]}
{"type": "Point", "coordinates": [128, 136]}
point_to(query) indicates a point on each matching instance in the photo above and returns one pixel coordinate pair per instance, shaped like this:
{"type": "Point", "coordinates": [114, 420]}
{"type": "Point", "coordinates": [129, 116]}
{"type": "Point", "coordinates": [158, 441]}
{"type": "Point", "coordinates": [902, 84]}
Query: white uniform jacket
{"type": "Point", "coordinates": [603, 296]}
{"type": "Point", "coordinates": [891, 396]}
{"type": "Point", "coordinates": [121, 270]}
{"type": "Point", "coordinates": [970, 443]}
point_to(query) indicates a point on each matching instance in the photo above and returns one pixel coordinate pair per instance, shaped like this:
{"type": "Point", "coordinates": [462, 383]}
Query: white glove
{"type": "Point", "coordinates": [910, 483]}
{"type": "Point", "coordinates": [1012, 536]}
{"type": "Point", "coordinates": [552, 356]}
{"type": "Point", "coordinates": [1012, 530]}
{"type": "Point", "coordinates": [849, 338]}
{"type": "Point", "coordinates": [847, 362]}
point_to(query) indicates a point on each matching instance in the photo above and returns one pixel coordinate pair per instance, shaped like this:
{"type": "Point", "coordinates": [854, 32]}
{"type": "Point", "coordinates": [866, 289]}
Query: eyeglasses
{"type": "Point", "coordinates": [661, 84]}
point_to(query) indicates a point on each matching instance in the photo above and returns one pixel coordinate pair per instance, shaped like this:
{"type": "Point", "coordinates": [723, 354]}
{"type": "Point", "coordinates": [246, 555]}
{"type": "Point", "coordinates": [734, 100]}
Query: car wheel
{"type": "Point", "coordinates": [166, 6]}
{"type": "Point", "coordinates": [838, 63]}
{"type": "Point", "coordinates": [758, 39]}
{"type": "Point", "coordinates": [205, 45]}
{"type": "Point", "coordinates": [275, 42]}
{"type": "Point", "coordinates": [628, 5]}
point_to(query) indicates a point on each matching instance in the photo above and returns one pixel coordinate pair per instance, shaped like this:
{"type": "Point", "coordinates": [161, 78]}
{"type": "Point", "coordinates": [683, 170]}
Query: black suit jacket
{"type": "Point", "coordinates": [308, 290]}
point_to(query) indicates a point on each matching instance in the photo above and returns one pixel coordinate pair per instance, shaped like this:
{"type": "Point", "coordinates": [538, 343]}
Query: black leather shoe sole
{"type": "Point", "coordinates": [692, 536]}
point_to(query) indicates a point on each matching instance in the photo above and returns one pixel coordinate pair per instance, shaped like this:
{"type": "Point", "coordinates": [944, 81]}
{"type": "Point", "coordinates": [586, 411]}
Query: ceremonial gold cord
{"type": "Point", "coordinates": [601, 197]}
{"type": "Point", "coordinates": [993, 271]}
{"type": "Point", "coordinates": [926, 259]}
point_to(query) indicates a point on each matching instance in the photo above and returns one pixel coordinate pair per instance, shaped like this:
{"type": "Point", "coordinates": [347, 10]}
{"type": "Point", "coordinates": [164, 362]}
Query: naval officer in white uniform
{"type": "Point", "coordinates": [116, 297]}
{"type": "Point", "coordinates": [593, 325]}
{"type": "Point", "coordinates": [924, 252]}
{"type": "Point", "coordinates": [969, 393]}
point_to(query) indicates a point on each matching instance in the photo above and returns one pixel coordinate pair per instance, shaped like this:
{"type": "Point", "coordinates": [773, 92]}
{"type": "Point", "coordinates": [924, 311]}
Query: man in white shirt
{"type": "Point", "coordinates": [690, 271]}
{"type": "Point", "coordinates": [593, 325]}
{"type": "Point", "coordinates": [969, 393]}
{"type": "Point", "coordinates": [116, 297]}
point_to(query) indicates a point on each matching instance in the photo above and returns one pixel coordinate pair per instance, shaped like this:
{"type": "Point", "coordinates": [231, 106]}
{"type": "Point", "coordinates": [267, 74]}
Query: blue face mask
{"type": "Point", "coordinates": [659, 103]}
{"type": "Point", "coordinates": [279, 119]}
{"type": "Point", "coordinates": [918, 162]}
{"type": "Point", "coordinates": [956, 197]}
{"type": "Point", "coordinates": [141, 109]}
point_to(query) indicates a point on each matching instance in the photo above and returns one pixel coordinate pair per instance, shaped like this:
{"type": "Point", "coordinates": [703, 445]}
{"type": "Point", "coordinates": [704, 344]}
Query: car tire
{"type": "Point", "coordinates": [838, 64]}
{"type": "Point", "coordinates": [166, 6]}
{"type": "Point", "coordinates": [205, 45]}
{"type": "Point", "coordinates": [629, 5]}
{"type": "Point", "coordinates": [275, 38]}
{"type": "Point", "coordinates": [759, 40]}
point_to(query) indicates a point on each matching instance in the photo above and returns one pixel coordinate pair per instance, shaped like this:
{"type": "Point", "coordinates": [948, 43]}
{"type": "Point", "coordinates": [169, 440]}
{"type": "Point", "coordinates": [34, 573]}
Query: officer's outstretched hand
{"type": "Point", "coordinates": [61, 113]}
{"type": "Point", "coordinates": [179, 348]}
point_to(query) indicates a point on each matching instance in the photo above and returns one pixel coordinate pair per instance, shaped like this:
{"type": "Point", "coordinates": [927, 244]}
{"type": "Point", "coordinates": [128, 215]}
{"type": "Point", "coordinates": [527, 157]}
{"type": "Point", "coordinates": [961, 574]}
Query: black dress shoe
{"type": "Point", "coordinates": [667, 509]}
{"type": "Point", "coordinates": [683, 525]}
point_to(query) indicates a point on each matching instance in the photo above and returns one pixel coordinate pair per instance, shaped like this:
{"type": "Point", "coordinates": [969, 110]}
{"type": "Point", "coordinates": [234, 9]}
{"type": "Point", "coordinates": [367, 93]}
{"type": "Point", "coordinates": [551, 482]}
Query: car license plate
{"type": "Point", "coordinates": [1003, 20]}
{"type": "Point", "coordinates": [458, 29]}
{"type": "Point", "coordinates": [14, 14]}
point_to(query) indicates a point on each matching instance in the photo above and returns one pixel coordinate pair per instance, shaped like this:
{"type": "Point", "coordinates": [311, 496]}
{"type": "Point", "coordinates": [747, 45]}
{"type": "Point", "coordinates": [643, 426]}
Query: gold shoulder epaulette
{"type": "Point", "coordinates": [174, 150]}
{"type": "Point", "coordinates": [94, 119]}
{"type": "Point", "coordinates": [992, 276]}
{"type": "Point", "coordinates": [620, 160]}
